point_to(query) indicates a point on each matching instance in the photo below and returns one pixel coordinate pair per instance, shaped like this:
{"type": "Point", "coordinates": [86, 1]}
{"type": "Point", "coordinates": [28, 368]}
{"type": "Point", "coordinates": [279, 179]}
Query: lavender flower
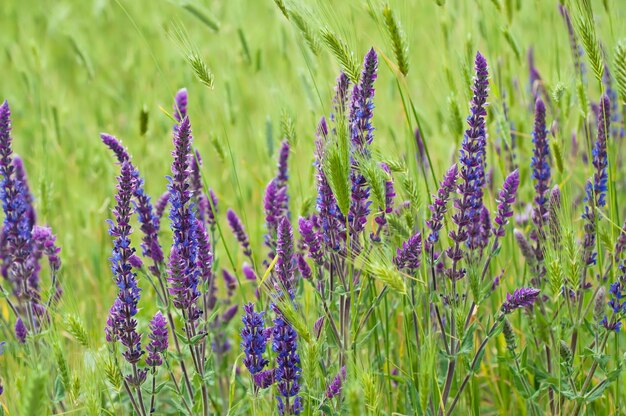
{"type": "Point", "coordinates": [17, 221]}
{"type": "Point", "coordinates": [231, 282]}
{"type": "Point", "coordinates": [521, 298]}
{"type": "Point", "coordinates": [303, 267]}
{"type": "Point", "coordinates": [180, 105]}
{"type": "Point", "coordinates": [440, 206]}
{"type": "Point", "coordinates": [541, 167]}
{"type": "Point", "coordinates": [409, 257]}
{"type": "Point", "coordinates": [151, 248]}
{"type": "Point", "coordinates": [183, 272]}
{"type": "Point", "coordinates": [472, 154]}
{"type": "Point", "coordinates": [524, 245]}
{"type": "Point", "coordinates": [311, 240]}
{"type": "Point", "coordinates": [254, 339]}
{"type": "Point", "coordinates": [597, 187]}
{"type": "Point", "coordinates": [505, 200]}
{"type": "Point", "coordinates": [122, 324]}
{"type": "Point", "coordinates": [362, 105]}
{"type": "Point", "coordinates": [283, 157]}
{"type": "Point", "coordinates": [21, 177]}
{"type": "Point", "coordinates": [421, 156]}
{"type": "Point", "coordinates": [20, 330]}
{"type": "Point", "coordinates": [45, 242]}
{"type": "Point", "coordinates": [275, 208]}
{"type": "Point", "coordinates": [334, 388]}
{"type": "Point", "coordinates": [264, 379]}
{"type": "Point", "coordinates": [390, 194]}
{"type": "Point", "coordinates": [239, 231]}
{"type": "Point", "coordinates": [288, 370]}
{"type": "Point", "coordinates": [159, 208]}
{"type": "Point", "coordinates": [285, 264]}
{"type": "Point", "coordinates": [248, 272]}
{"type": "Point", "coordinates": [158, 340]}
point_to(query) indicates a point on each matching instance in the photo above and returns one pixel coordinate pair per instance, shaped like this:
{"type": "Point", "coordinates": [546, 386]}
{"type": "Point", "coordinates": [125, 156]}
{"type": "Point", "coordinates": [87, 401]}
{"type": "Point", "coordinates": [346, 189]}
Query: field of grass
{"type": "Point", "coordinates": [261, 73]}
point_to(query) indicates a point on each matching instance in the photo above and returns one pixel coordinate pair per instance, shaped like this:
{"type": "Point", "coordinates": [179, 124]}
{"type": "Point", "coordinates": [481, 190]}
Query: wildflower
{"type": "Point", "coordinates": [505, 200]}
{"type": "Point", "coordinates": [183, 271]}
{"type": "Point", "coordinates": [334, 388]}
{"type": "Point", "coordinates": [288, 372]}
{"type": "Point", "coordinates": [440, 205]}
{"type": "Point", "coordinates": [239, 231]}
{"type": "Point", "coordinates": [285, 262]}
{"type": "Point", "coordinates": [122, 324]}
{"type": "Point", "coordinates": [264, 379]}
{"type": "Point", "coordinates": [180, 105]}
{"type": "Point", "coordinates": [409, 257]}
{"type": "Point", "coordinates": [303, 267]}
{"type": "Point", "coordinates": [248, 272]}
{"type": "Point", "coordinates": [521, 298]}
{"type": "Point", "coordinates": [158, 340]}
{"type": "Point", "coordinates": [541, 166]}
{"type": "Point", "coordinates": [311, 240]}
{"type": "Point", "coordinates": [275, 208]}
{"type": "Point", "coordinates": [20, 330]}
{"type": "Point", "coordinates": [254, 339]}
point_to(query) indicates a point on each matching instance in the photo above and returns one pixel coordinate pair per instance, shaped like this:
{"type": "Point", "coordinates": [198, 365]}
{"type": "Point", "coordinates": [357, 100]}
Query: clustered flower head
{"type": "Point", "coordinates": [334, 388]}
{"type": "Point", "coordinates": [254, 339]}
{"type": "Point", "coordinates": [239, 231]}
{"type": "Point", "coordinates": [182, 271]}
{"type": "Point", "coordinates": [505, 200]}
{"type": "Point", "coordinates": [409, 256]}
{"type": "Point", "coordinates": [440, 205]}
{"type": "Point", "coordinates": [122, 325]}
{"type": "Point", "coordinates": [521, 298]}
{"type": "Point", "coordinates": [158, 340]}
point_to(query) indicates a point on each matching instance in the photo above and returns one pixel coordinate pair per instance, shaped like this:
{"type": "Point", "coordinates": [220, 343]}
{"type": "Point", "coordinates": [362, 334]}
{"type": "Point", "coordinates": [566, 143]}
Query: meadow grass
{"type": "Point", "coordinates": [259, 72]}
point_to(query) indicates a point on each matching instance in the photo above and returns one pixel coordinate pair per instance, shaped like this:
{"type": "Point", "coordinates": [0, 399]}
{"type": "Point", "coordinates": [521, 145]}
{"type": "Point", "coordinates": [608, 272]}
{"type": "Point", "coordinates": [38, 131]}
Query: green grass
{"type": "Point", "coordinates": [73, 69]}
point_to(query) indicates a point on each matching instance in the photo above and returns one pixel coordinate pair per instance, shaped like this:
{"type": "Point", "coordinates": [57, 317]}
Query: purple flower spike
{"type": "Point", "coordinates": [505, 200]}
{"type": "Point", "coordinates": [158, 340]}
{"type": "Point", "coordinates": [264, 379]}
{"type": "Point", "coordinates": [45, 242]}
{"type": "Point", "coordinates": [311, 240]}
{"type": "Point", "coordinates": [334, 388]}
{"type": "Point", "coordinates": [254, 340]}
{"type": "Point", "coordinates": [275, 208]}
{"type": "Point", "coordinates": [21, 177]}
{"type": "Point", "coordinates": [285, 264]}
{"type": "Point", "coordinates": [116, 146]}
{"type": "Point", "coordinates": [205, 254]}
{"type": "Point", "coordinates": [229, 314]}
{"type": "Point", "coordinates": [248, 272]}
{"type": "Point", "coordinates": [239, 231]}
{"type": "Point", "coordinates": [17, 221]}
{"type": "Point", "coordinates": [288, 370]}
{"type": "Point", "coordinates": [440, 205]}
{"type": "Point", "coordinates": [283, 157]}
{"type": "Point", "coordinates": [303, 267]}
{"type": "Point", "coordinates": [472, 155]}
{"type": "Point", "coordinates": [541, 166]}
{"type": "Point", "coordinates": [409, 257]}
{"type": "Point", "coordinates": [180, 105]}
{"type": "Point", "coordinates": [122, 316]}
{"type": "Point", "coordinates": [20, 331]}
{"type": "Point", "coordinates": [159, 208]}
{"type": "Point", "coordinates": [521, 298]}
{"type": "Point", "coordinates": [231, 282]}
{"type": "Point", "coordinates": [362, 106]}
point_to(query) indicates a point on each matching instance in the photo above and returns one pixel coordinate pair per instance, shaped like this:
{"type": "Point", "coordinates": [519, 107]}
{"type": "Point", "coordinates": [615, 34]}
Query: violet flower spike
{"type": "Point", "coordinates": [182, 272]}
{"type": "Point", "coordinates": [506, 199]}
{"type": "Point", "coordinates": [541, 166]}
{"type": "Point", "coordinates": [311, 240]}
{"type": "Point", "coordinates": [158, 340]}
{"type": "Point", "coordinates": [180, 105]}
{"type": "Point", "coordinates": [521, 298]}
{"type": "Point", "coordinates": [409, 257]}
{"type": "Point", "coordinates": [239, 231]}
{"type": "Point", "coordinates": [285, 266]}
{"type": "Point", "coordinates": [334, 388]}
{"type": "Point", "coordinates": [123, 322]}
{"type": "Point", "coordinates": [253, 339]}
{"type": "Point", "coordinates": [288, 370]}
{"type": "Point", "coordinates": [440, 205]}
